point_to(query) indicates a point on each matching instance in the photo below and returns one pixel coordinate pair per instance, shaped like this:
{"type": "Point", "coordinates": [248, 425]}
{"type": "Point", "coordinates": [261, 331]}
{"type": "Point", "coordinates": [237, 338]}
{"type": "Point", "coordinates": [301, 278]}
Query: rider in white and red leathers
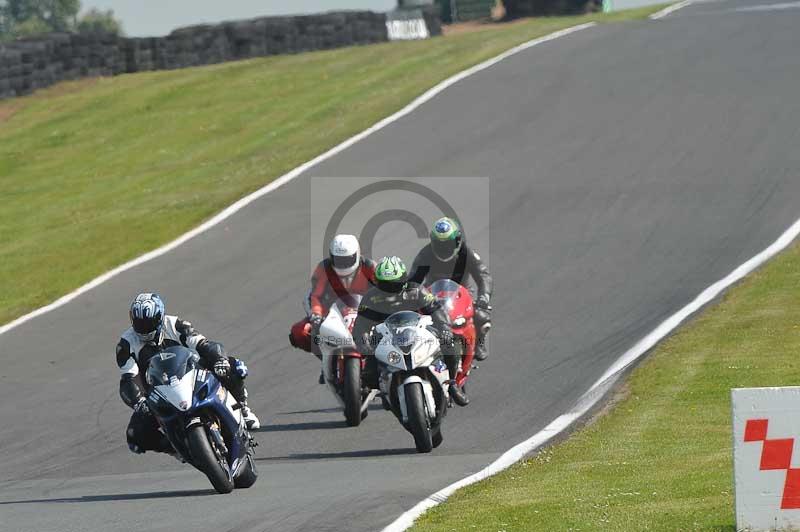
{"type": "Point", "coordinates": [151, 331]}
{"type": "Point", "coordinates": [344, 273]}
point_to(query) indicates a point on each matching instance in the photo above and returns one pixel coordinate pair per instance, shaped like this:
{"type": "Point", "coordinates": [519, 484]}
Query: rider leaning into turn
{"type": "Point", "coordinates": [448, 257]}
{"type": "Point", "coordinates": [151, 331]}
{"type": "Point", "coordinates": [394, 293]}
{"type": "Point", "coordinates": [345, 272]}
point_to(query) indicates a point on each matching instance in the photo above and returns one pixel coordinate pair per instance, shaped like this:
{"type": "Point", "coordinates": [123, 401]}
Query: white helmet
{"type": "Point", "coordinates": [345, 254]}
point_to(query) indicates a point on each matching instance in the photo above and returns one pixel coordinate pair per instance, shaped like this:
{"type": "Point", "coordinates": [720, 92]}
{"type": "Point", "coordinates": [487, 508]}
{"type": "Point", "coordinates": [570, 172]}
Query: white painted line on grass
{"type": "Point", "coordinates": [242, 203]}
{"type": "Point", "coordinates": [669, 9]}
{"type": "Point", "coordinates": [599, 388]}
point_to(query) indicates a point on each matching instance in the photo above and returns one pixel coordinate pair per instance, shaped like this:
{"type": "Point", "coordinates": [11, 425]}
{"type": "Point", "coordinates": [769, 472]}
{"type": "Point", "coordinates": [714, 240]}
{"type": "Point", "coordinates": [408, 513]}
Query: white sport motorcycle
{"type": "Point", "coordinates": [341, 362]}
{"type": "Point", "coordinates": [413, 376]}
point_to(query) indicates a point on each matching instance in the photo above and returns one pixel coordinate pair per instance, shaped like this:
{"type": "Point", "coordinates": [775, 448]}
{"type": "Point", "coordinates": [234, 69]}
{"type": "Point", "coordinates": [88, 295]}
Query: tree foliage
{"type": "Point", "coordinates": [31, 26]}
{"type": "Point", "coordinates": [97, 20]}
{"type": "Point", "coordinates": [20, 18]}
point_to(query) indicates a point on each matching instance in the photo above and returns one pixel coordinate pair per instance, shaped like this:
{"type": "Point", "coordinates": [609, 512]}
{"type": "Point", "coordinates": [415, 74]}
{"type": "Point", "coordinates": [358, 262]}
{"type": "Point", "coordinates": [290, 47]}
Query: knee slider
{"type": "Point", "coordinates": [135, 448]}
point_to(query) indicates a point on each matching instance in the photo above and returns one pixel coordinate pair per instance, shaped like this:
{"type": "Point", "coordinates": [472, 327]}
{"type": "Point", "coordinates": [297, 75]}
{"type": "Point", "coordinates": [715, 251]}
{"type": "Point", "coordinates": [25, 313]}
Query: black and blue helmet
{"type": "Point", "coordinates": [147, 316]}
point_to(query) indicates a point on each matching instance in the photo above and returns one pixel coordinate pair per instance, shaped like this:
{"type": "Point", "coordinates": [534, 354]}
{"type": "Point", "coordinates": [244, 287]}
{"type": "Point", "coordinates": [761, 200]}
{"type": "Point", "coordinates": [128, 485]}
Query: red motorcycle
{"type": "Point", "coordinates": [457, 302]}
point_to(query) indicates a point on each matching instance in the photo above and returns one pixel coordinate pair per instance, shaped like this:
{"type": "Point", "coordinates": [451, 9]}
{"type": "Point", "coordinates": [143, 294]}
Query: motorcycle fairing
{"type": "Point", "coordinates": [202, 390]}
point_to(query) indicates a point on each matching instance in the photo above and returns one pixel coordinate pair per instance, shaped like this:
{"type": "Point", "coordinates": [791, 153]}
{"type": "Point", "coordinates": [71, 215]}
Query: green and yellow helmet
{"type": "Point", "coordinates": [391, 274]}
{"type": "Point", "coordinates": [446, 239]}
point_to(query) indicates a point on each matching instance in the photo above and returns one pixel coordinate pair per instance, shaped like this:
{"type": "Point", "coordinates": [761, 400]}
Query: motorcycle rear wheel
{"type": "Point", "coordinates": [205, 459]}
{"type": "Point", "coordinates": [351, 389]}
{"type": "Point", "coordinates": [417, 419]}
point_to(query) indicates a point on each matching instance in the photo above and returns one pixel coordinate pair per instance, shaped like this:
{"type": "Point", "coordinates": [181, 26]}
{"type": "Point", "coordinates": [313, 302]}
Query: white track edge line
{"type": "Point", "coordinates": [669, 9]}
{"type": "Point", "coordinates": [591, 396]}
{"type": "Point", "coordinates": [277, 183]}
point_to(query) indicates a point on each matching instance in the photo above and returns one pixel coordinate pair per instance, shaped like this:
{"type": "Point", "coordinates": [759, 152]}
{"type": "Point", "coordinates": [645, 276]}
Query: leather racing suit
{"type": "Point", "coordinates": [133, 357]}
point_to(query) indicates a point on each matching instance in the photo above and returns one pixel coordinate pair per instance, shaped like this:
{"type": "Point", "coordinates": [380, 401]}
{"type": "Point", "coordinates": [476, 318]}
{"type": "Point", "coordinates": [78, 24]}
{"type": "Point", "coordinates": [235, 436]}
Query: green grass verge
{"type": "Point", "coordinates": [88, 169]}
{"type": "Point", "coordinates": [662, 458]}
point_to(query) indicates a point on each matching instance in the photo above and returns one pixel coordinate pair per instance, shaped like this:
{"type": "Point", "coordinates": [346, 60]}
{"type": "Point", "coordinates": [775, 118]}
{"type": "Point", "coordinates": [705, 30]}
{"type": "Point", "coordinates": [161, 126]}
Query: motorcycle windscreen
{"type": "Point", "coordinates": [446, 291]}
{"type": "Point", "coordinates": [170, 366]}
{"type": "Point", "coordinates": [402, 320]}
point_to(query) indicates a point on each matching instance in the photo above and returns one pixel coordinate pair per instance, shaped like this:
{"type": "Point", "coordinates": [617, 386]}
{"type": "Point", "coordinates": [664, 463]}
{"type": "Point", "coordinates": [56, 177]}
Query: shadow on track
{"type": "Point", "coordinates": [312, 411]}
{"type": "Point", "coordinates": [118, 497]}
{"type": "Point", "coordinates": [345, 454]}
{"type": "Point", "coordinates": [310, 425]}
{"type": "Point", "coordinates": [373, 407]}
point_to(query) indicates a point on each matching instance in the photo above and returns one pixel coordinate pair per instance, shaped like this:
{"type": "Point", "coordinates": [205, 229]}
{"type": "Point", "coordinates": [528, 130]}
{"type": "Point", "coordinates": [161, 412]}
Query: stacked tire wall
{"type": "Point", "coordinates": [30, 64]}
{"type": "Point", "coordinates": [534, 8]}
{"type": "Point", "coordinates": [27, 65]}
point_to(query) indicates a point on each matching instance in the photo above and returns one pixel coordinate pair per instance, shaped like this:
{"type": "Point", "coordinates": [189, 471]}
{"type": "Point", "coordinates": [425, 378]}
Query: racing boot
{"type": "Point", "coordinates": [481, 353]}
{"type": "Point", "coordinates": [457, 393]}
{"type": "Point", "coordinates": [235, 384]}
{"type": "Point", "coordinates": [250, 419]}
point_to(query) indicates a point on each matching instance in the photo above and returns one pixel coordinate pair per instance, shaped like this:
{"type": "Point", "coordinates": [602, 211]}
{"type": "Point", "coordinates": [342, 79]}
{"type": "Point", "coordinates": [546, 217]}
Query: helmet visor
{"type": "Point", "coordinates": [146, 326]}
{"type": "Point", "coordinates": [445, 249]}
{"type": "Point", "coordinates": [343, 262]}
{"type": "Point", "coordinates": [390, 287]}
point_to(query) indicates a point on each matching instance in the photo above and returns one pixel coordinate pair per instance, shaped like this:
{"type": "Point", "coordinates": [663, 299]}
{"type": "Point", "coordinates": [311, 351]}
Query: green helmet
{"type": "Point", "coordinates": [446, 239]}
{"type": "Point", "coordinates": [391, 274]}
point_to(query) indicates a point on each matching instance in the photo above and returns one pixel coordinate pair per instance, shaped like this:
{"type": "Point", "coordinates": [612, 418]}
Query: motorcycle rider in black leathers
{"type": "Point", "coordinates": [393, 293]}
{"type": "Point", "coordinates": [448, 257]}
{"type": "Point", "coordinates": [151, 331]}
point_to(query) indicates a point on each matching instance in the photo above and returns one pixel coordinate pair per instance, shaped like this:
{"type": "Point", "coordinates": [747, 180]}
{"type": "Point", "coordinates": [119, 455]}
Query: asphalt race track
{"type": "Point", "coordinates": [631, 166]}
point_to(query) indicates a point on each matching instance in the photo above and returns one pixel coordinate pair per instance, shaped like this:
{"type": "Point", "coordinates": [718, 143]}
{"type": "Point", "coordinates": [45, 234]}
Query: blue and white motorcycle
{"type": "Point", "coordinates": [201, 419]}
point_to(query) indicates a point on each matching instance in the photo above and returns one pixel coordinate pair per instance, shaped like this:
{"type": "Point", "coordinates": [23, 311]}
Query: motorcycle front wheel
{"type": "Point", "coordinates": [437, 437]}
{"type": "Point", "coordinates": [248, 475]}
{"type": "Point", "coordinates": [417, 419]}
{"type": "Point", "coordinates": [352, 391]}
{"type": "Point", "coordinates": [205, 459]}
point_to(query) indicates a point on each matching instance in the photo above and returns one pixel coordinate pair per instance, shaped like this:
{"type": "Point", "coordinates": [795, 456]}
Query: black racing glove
{"type": "Point", "coordinates": [446, 338]}
{"type": "Point", "coordinates": [483, 313]}
{"type": "Point", "coordinates": [222, 368]}
{"type": "Point", "coordinates": [316, 322]}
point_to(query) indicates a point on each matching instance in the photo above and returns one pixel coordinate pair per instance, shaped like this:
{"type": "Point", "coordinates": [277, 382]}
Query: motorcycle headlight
{"type": "Point", "coordinates": [158, 405]}
{"type": "Point", "coordinates": [221, 393]}
{"type": "Point", "coordinates": [394, 357]}
{"type": "Point", "coordinates": [202, 393]}
{"type": "Point", "coordinates": [459, 321]}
